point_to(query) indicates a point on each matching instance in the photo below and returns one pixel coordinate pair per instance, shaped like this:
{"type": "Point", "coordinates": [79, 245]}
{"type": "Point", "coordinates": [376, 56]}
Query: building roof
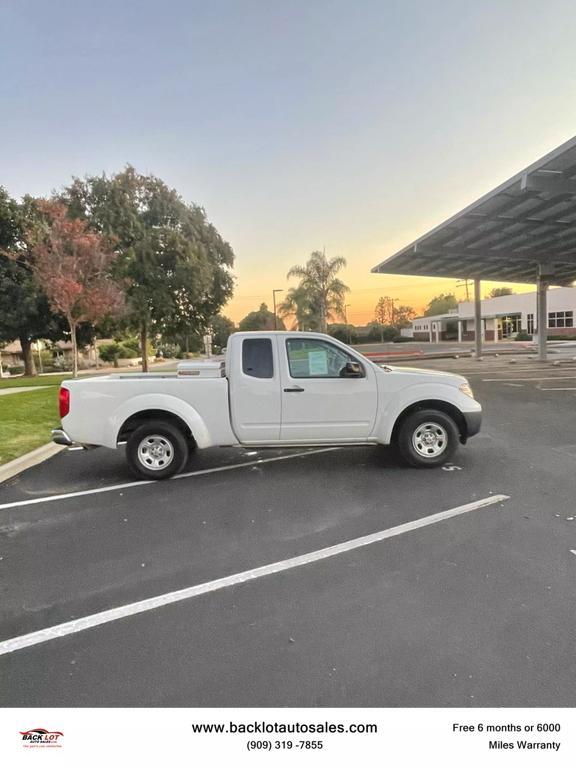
{"type": "Point", "coordinates": [444, 316]}
{"type": "Point", "coordinates": [12, 348]}
{"type": "Point", "coordinates": [526, 221]}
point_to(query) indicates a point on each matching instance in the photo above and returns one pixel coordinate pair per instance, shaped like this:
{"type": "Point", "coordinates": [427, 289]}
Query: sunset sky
{"type": "Point", "coordinates": [302, 125]}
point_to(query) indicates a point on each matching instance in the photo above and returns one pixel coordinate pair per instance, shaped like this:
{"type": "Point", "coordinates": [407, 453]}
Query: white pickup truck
{"type": "Point", "coordinates": [276, 389]}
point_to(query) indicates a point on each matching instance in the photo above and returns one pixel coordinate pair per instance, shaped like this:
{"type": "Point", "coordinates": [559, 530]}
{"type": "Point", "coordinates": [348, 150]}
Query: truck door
{"type": "Point", "coordinates": [255, 394]}
{"type": "Point", "coordinates": [328, 394]}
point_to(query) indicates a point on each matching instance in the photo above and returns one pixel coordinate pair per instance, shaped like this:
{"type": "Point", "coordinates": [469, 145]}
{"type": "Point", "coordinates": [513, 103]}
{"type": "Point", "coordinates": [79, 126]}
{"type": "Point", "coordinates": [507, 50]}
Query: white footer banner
{"type": "Point", "coordinates": [243, 737]}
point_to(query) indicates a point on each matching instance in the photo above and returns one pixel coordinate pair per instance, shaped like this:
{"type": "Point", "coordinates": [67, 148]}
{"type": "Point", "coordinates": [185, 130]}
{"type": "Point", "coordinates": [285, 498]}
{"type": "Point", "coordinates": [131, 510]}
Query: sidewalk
{"type": "Point", "coordinates": [12, 390]}
{"type": "Point", "coordinates": [107, 369]}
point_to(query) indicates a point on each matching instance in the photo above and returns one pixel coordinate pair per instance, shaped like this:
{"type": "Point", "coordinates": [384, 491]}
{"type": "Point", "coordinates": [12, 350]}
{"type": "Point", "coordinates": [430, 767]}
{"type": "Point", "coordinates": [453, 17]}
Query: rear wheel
{"type": "Point", "coordinates": [156, 450]}
{"type": "Point", "coordinates": [427, 438]}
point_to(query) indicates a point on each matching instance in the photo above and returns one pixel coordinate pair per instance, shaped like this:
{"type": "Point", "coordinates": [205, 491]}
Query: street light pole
{"type": "Point", "coordinates": [274, 292]}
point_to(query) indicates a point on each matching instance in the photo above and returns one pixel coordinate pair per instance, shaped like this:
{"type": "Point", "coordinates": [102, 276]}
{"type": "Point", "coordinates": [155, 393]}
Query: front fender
{"type": "Point", "coordinates": [162, 402]}
{"type": "Point", "coordinates": [417, 393]}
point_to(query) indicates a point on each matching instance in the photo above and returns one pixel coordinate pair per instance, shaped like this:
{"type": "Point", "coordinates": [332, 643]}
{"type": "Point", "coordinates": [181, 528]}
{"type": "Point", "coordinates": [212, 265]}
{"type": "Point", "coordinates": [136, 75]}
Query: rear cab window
{"type": "Point", "coordinates": [257, 358]}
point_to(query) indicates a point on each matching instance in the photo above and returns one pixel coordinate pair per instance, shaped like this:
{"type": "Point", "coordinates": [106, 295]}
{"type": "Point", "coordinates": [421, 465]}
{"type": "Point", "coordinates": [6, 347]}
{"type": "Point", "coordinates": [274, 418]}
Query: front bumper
{"type": "Point", "coordinates": [473, 421]}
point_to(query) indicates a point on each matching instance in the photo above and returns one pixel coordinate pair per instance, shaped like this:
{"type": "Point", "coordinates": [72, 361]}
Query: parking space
{"type": "Point", "coordinates": [471, 610]}
{"type": "Point", "coordinates": [516, 372]}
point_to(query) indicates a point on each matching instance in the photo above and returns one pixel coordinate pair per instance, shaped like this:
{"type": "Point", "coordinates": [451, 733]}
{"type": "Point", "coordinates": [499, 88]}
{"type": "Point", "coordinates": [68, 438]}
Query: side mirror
{"type": "Point", "coordinates": [352, 371]}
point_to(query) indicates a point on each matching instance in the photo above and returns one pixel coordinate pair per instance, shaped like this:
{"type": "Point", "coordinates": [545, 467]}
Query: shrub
{"type": "Point", "coordinates": [131, 343]}
{"type": "Point", "coordinates": [168, 350]}
{"type": "Point", "coordinates": [558, 337]}
{"type": "Point", "coordinates": [109, 352]}
{"type": "Point", "coordinates": [62, 364]}
{"type": "Point", "coordinates": [128, 352]}
{"type": "Point", "coordinates": [523, 336]}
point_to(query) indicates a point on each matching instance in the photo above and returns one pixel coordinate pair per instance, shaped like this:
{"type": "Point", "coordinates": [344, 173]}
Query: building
{"type": "Point", "coordinates": [502, 318]}
{"type": "Point", "coordinates": [436, 327]}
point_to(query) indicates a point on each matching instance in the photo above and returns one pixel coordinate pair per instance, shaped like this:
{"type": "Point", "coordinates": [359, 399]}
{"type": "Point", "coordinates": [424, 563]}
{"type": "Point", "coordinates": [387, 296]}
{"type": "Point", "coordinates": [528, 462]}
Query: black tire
{"type": "Point", "coordinates": [166, 454]}
{"type": "Point", "coordinates": [427, 438]}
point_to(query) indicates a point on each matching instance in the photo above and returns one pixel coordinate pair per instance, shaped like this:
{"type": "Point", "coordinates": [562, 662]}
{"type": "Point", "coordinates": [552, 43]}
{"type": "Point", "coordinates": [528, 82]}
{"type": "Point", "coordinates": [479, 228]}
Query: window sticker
{"type": "Point", "coordinates": [318, 362]}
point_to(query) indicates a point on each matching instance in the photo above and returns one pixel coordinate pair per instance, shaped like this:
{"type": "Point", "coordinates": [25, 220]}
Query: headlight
{"type": "Point", "coordinates": [467, 389]}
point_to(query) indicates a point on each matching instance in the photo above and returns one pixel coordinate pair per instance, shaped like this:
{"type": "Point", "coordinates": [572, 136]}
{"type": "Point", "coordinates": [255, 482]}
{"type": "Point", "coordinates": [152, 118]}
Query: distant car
{"type": "Point", "coordinates": [275, 389]}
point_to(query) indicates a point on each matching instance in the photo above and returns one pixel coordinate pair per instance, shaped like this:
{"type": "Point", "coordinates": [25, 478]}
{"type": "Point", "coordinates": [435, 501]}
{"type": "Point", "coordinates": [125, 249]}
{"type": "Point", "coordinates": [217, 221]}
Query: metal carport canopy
{"type": "Point", "coordinates": [524, 228]}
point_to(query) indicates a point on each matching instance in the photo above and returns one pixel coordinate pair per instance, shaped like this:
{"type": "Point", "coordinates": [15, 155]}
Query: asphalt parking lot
{"type": "Point", "coordinates": [473, 610]}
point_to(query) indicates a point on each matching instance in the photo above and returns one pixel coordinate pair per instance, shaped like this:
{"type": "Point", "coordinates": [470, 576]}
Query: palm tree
{"type": "Point", "coordinates": [325, 293]}
{"type": "Point", "coordinates": [296, 304]}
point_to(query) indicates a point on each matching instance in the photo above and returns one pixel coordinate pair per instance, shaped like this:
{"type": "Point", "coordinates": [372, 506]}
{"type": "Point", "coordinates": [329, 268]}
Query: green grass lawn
{"type": "Point", "coordinates": [26, 419]}
{"type": "Point", "coordinates": [34, 381]}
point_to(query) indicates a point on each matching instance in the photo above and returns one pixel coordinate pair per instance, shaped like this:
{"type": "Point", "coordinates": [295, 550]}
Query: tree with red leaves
{"type": "Point", "coordinates": [72, 264]}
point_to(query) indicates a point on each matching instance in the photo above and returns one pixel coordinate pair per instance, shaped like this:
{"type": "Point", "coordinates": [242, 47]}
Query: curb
{"type": "Point", "coordinates": [36, 456]}
{"type": "Point", "coordinates": [383, 358]}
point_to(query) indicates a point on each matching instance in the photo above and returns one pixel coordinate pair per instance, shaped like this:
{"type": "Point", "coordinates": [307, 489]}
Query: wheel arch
{"type": "Point", "coordinates": [437, 405]}
{"type": "Point", "coordinates": [137, 410]}
{"type": "Point", "coordinates": [141, 417]}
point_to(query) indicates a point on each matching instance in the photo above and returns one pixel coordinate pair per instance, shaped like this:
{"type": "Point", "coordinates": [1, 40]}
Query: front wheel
{"type": "Point", "coordinates": [156, 450]}
{"type": "Point", "coordinates": [427, 438]}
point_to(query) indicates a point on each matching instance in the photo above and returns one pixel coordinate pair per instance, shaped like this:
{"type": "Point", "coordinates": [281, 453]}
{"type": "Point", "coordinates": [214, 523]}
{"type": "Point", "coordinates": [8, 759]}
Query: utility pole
{"type": "Point", "coordinates": [464, 283]}
{"type": "Point", "coordinates": [274, 292]}
{"type": "Point", "coordinates": [392, 311]}
{"type": "Point", "coordinates": [346, 321]}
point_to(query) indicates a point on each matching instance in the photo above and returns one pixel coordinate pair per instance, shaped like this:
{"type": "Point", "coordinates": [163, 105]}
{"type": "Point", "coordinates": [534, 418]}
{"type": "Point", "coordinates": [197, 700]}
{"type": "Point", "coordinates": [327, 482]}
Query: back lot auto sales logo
{"type": "Point", "coordinates": [40, 737]}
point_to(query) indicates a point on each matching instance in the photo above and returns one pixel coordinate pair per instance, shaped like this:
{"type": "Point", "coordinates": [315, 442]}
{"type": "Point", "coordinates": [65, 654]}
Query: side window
{"type": "Point", "coordinates": [257, 358]}
{"type": "Point", "coordinates": [314, 359]}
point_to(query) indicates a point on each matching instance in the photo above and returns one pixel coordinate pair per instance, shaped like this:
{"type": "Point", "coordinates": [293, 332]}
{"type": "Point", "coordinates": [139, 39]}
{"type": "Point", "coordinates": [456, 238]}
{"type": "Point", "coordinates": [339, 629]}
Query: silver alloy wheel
{"type": "Point", "coordinates": [155, 452]}
{"type": "Point", "coordinates": [429, 439]}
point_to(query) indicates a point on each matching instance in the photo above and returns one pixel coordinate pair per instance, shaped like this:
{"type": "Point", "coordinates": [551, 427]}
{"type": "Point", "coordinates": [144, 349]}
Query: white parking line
{"type": "Point", "coordinates": [534, 378]}
{"type": "Point", "coordinates": [532, 369]}
{"type": "Point", "coordinates": [123, 611]}
{"type": "Point", "coordinates": [121, 486]}
{"type": "Point", "coordinates": [557, 389]}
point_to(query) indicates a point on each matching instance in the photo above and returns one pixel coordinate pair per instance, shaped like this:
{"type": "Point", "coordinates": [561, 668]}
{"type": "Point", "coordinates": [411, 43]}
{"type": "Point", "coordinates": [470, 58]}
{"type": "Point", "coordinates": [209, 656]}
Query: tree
{"type": "Point", "coordinates": [25, 313]}
{"type": "Point", "coordinates": [376, 331]}
{"type": "Point", "coordinates": [261, 320]}
{"type": "Point", "coordinates": [343, 332]}
{"type": "Point", "coordinates": [325, 293]}
{"type": "Point", "coordinates": [73, 265]}
{"type": "Point", "coordinates": [176, 264]}
{"type": "Point", "coordinates": [297, 304]}
{"type": "Point", "coordinates": [384, 311]}
{"type": "Point", "coordinates": [495, 292]}
{"type": "Point", "coordinates": [222, 328]}
{"type": "Point", "coordinates": [441, 304]}
{"type": "Point", "coordinates": [387, 315]}
{"type": "Point", "coordinates": [403, 316]}
{"type": "Point", "coordinates": [382, 332]}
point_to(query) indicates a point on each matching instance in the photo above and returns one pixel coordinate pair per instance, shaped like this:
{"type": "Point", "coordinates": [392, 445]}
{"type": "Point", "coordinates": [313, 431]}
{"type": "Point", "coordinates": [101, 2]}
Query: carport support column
{"type": "Point", "coordinates": [477, 319]}
{"type": "Point", "coordinates": [542, 314]}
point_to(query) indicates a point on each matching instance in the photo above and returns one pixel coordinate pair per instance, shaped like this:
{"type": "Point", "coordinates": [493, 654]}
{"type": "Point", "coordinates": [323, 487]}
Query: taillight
{"type": "Point", "coordinates": [64, 402]}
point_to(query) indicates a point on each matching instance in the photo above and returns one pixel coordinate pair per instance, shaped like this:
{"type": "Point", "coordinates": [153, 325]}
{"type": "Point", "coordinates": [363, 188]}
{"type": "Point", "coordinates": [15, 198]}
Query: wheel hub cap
{"type": "Point", "coordinates": [429, 440]}
{"type": "Point", "coordinates": [155, 452]}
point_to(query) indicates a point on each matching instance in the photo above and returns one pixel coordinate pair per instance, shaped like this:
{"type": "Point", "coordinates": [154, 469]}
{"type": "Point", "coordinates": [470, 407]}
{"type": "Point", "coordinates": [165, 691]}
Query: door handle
{"type": "Point", "coordinates": [294, 389]}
